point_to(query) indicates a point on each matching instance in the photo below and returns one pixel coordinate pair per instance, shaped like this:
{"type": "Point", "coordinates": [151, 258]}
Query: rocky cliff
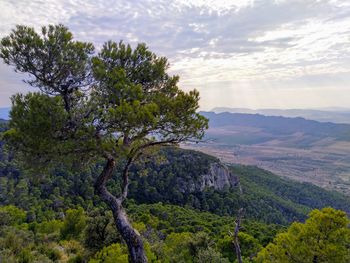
{"type": "Point", "coordinates": [182, 177]}
{"type": "Point", "coordinates": [217, 176]}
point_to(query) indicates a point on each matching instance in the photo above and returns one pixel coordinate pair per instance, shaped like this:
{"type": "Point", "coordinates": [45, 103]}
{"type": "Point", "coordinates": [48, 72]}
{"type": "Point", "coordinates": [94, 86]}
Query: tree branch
{"type": "Point", "coordinates": [125, 177]}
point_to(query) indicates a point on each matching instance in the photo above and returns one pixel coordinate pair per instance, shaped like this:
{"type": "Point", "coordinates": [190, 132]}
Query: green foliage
{"type": "Point", "coordinates": [100, 230]}
{"type": "Point", "coordinates": [111, 254]}
{"type": "Point", "coordinates": [265, 197]}
{"type": "Point", "coordinates": [119, 253]}
{"type": "Point", "coordinates": [35, 120]}
{"type": "Point", "coordinates": [200, 230]}
{"type": "Point", "coordinates": [11, 215]}
{"type": "Point", "coordinates": [167, 219]}
{"type": "Point", "coordinates": [115, 103]}
{"type": "Point", "coordinates": [177, 247]}
{"type": "Point", "coordinates": [53, 254]}
{"type": "Point", "coordinates": [249, 245]}
{"type": "Point", "coordinates": [57, 63]}
{"type": "Point", "coordinates": [76, 259]}
{"type": "Point", "coordinates": [25, 256]}
{"type": "Point", "coordinates": [325, 237]}
{"type": "Point", "coordinates": [301, 194]}
{"type": "Point", "coordinates": [47, 227]}
{"type": "Point", "coordinates": [33, 245]}
{"type": "Point", "coordinates": [73, 249]}
{"type": "Point", "coordinates": [189, 247]}
{"type": "Point", "coordinates": [14, 238]}
{"type": "Point", "coordinates": [73, 224]}
{"type": "Point", "coordinates": [176, 234]}
{"type": "Point", "coordinates": [210, 255]}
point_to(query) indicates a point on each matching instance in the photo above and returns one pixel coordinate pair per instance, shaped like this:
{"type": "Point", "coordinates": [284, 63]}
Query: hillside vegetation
{"type": "Point", "coordinates": [51, 216]}
{"type": "Point", "coordinates": [265, 196]}
{"type": "Point", "coordinates": [166, 179]}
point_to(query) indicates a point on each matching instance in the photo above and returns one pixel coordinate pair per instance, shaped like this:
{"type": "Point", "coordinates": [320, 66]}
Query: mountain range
{"type": "Point", "coordinates": [331, 114]}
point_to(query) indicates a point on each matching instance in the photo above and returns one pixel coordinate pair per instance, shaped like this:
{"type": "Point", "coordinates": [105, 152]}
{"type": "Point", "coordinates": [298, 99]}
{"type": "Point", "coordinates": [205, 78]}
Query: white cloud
{"type": "Point", "coordinates": [235, 48]}
{"type": "Point", "coordinates": [217, 5]}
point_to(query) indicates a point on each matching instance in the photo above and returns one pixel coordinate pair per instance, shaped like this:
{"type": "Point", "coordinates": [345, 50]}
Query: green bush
{"type": "Point", "coordinates": [12, 215]}
{"type": "Point", "coordinates": [73, 224]}
{"type": "Point", "coordinates": [111, 254]}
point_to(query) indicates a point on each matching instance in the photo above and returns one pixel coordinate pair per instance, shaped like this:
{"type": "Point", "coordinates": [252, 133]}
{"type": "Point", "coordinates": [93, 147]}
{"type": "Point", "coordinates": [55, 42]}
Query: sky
{"type": "Point", "coordinates": [239, 53]}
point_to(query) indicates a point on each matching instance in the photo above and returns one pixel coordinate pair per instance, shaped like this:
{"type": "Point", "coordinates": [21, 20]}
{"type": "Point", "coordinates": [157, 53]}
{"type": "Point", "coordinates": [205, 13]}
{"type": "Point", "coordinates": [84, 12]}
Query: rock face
{"type": "Point", "coordinates": [218, 177]}
{"type": "Point", "coordinates": [180, 173]}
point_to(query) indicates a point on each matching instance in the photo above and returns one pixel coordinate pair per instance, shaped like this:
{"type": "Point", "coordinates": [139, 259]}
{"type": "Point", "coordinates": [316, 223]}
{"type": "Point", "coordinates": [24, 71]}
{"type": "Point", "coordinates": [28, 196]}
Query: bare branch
{"type": "Point", "coordinates": [235, 234]}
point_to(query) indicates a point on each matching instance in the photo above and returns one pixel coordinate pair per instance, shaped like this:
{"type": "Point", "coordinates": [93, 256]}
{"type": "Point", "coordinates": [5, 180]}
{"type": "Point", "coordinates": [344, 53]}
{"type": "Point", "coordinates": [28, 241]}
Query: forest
{"type": "Point", "coordinates": [55, 216]}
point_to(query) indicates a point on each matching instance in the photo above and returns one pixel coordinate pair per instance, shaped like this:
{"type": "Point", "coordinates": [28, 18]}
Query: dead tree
{"type": "Point", "coordinates": [235, 235]}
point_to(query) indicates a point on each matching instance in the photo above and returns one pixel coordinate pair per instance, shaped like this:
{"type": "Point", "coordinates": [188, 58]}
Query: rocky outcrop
{"type": "Point", "coordinates": [218, 177]}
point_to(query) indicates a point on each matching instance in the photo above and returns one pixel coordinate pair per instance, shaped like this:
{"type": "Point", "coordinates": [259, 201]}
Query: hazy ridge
{"type": "Point", "coordinates": [336, 115]}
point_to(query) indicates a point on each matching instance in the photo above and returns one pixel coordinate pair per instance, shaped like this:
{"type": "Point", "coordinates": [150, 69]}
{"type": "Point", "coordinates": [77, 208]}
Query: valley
{"type": "Point", "coordinates": [307, 151]}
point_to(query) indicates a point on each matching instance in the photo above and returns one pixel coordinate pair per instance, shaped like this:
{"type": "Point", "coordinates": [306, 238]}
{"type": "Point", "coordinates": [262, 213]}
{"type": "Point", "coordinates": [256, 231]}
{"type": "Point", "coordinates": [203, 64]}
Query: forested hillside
{"type": "Point", "coordinates": [174, 176]}
{"type": "Point", "coordinates": [59, 218]}
{"type": "Point", "coordinates": [264, 195]}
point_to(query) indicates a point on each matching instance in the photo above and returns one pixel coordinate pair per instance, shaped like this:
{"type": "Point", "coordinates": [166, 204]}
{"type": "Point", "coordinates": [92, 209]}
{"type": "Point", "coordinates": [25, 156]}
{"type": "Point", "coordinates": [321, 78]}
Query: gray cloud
{"type": "Point", "coordinates": [169, 28]}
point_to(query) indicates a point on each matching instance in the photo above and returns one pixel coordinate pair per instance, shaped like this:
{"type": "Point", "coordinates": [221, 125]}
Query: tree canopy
{"type": "Point", "coordinates": [325, 237]}
{"type": "Point", "coordinates": [115, 105]}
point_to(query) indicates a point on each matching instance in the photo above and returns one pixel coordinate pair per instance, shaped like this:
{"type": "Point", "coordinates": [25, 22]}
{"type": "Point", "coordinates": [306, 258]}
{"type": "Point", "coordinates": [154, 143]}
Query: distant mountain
{"type": "Point", "coordinates": [342, 109]}
{"type": "Point", "coordinates": [274, 127]}
{"type": "Point", "coordinates": [4, 113]}
{"type": "Point", "coordinates": [334, 114]}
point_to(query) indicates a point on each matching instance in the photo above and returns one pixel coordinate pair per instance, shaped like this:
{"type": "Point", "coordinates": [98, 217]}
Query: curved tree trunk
{"type": "Point", "coordinates": [129, 234]}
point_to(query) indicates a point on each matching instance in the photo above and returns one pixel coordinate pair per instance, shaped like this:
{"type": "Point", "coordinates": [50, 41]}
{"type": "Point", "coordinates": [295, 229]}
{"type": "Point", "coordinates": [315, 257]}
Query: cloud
{"type": "Point", "coordinates": [233, 46]}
